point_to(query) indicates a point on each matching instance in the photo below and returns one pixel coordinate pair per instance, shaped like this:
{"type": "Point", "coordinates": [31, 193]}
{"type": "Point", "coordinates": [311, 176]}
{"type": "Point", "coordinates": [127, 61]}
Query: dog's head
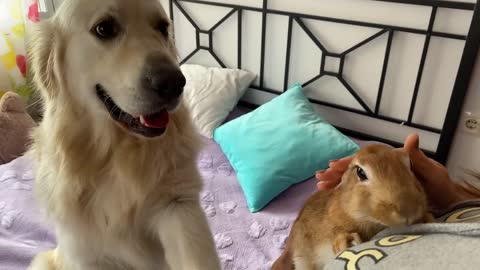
{"type": "Point", "coordinates": [115, 58]}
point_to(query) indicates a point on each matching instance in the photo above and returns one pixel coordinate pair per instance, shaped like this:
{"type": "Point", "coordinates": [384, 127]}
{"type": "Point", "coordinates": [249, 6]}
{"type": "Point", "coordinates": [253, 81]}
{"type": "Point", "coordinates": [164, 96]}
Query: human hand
{"type": "Point", "coordinates": [441, 190]}
{"type": "Point", "coordinates": [331, 177]}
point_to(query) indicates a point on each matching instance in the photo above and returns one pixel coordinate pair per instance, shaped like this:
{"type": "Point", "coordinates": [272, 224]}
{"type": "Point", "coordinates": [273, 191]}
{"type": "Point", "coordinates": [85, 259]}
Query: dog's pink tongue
{"type": "Point", "coordinates": [158, 120]}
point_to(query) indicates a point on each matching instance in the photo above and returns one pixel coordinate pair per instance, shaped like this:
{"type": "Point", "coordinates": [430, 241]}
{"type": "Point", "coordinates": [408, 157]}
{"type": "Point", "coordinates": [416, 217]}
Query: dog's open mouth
{"type": "Point", "coordinates": [152, 125]}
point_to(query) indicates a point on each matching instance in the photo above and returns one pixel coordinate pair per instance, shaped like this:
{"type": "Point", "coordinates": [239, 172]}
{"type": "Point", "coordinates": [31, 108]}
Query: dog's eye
{"type": "Point", "coordinates": [162, 27]}
{"type": "Point", "coordinates": [107, 29]}
{"type": "Point", "coordinates": [361, 174]}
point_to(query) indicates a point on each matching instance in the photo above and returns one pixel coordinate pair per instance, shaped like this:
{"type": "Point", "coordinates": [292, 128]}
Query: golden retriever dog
{"type": "Point", "coordinates": [115, 152]}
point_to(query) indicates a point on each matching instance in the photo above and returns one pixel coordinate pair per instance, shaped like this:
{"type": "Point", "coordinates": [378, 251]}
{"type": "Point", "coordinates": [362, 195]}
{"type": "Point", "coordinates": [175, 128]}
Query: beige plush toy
{"type": "Point", "coordinates": [15, 127]}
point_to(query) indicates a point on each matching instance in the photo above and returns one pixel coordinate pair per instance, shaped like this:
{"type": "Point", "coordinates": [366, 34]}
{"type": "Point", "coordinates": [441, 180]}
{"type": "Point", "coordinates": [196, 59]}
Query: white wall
{"type": "Point", "coordinates": [465, 152]}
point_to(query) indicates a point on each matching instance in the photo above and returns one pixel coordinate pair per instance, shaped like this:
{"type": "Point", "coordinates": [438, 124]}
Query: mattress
{"type": "Point", "coordinates": [244, 240]}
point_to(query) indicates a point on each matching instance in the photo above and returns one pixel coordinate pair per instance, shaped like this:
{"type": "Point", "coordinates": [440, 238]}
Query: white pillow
{"type": "Point", "coordinates": [212, 93]}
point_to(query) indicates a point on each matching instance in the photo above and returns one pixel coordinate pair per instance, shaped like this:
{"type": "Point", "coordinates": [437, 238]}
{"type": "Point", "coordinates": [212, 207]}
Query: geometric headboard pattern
{"type": "Point", "coordinates": [376, 76]}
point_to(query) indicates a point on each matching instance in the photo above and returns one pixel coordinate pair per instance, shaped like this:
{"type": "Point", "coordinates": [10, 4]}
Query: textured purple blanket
{"type": "Point", "coordinates": [23, 233]}
{"type": "Point", "coordinates": [244, 240]}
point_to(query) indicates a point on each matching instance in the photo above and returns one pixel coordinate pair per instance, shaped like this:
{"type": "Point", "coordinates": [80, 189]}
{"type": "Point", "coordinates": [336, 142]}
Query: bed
{"type": "Point", "coordinates": [374, 96]}
{"type": "Point", "coordinates": [257, 239]}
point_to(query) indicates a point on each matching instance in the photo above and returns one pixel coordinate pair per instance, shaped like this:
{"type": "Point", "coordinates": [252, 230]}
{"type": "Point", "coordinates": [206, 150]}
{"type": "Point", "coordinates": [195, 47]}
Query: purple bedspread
{"type": "Point", "coordinates": [22, 230]}
{"type": "Point", "coordinates": [244, 240]}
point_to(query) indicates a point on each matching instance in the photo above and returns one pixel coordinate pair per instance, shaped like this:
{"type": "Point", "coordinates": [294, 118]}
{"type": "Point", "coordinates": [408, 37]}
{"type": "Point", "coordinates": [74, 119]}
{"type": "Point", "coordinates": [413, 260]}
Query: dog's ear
{"type": "Point", "coordinates": [45, 54]}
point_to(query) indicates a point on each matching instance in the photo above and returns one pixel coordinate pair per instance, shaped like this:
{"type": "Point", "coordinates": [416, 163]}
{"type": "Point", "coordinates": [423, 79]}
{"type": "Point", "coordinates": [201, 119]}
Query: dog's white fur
{"type": "Point", "coordinates": [118, 201]}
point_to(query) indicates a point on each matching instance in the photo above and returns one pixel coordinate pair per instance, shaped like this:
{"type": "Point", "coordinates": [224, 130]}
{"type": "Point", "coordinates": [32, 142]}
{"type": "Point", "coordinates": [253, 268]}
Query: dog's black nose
{"type": "Point", "coordinates": [167, 83]}
{"type": "Point", "coordinates": [163, 78]}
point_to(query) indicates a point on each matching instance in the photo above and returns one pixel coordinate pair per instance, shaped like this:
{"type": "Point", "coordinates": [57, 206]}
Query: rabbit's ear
{"type": "Point", "coordinates": [12, 103]}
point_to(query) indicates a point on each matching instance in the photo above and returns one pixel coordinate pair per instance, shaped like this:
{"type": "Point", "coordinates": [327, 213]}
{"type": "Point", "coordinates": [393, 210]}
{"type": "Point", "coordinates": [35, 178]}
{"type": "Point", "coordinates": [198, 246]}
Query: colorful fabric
{"type": "Point", "coordinates": [15, 17]}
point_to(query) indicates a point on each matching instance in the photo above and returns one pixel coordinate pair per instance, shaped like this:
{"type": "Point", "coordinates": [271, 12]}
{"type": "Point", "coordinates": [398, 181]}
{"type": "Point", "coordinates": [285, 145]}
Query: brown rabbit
{"type": "Point", "coordinates": [378, 190]}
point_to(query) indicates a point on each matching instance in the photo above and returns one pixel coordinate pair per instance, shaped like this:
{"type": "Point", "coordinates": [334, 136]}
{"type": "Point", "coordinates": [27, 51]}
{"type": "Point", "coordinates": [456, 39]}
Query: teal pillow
{"type": "Point", "coordinates": [281, 143]}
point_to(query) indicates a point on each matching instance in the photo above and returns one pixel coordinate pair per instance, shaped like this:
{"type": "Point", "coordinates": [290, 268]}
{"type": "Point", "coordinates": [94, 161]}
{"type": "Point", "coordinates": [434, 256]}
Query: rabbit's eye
{"type": "Point", "coordinates": [361, 174]}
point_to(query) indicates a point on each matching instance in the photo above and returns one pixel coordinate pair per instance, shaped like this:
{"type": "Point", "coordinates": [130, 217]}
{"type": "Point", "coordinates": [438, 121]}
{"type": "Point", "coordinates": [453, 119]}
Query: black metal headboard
{"type": "Point", "coordinates": [446, 133]}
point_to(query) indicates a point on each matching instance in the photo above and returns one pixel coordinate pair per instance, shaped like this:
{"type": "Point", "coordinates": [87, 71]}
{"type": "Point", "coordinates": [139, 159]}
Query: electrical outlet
{"type": "Point", "coordinates": [471, 123]}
